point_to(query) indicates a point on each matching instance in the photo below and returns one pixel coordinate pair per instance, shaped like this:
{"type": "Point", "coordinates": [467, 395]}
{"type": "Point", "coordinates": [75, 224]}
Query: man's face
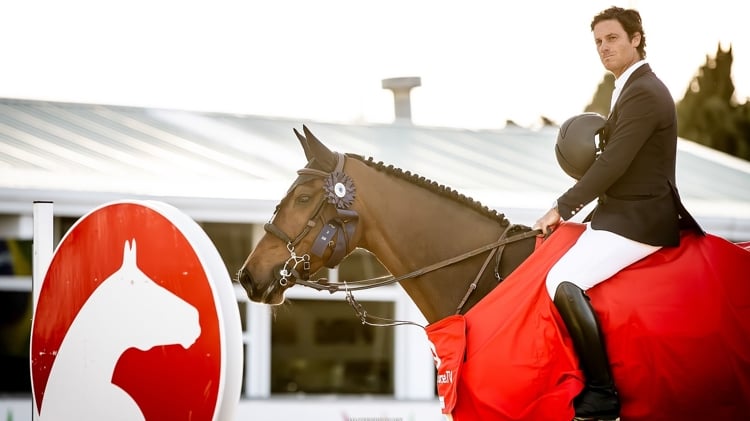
{"type": "Point", "coordinates": [616, 51]}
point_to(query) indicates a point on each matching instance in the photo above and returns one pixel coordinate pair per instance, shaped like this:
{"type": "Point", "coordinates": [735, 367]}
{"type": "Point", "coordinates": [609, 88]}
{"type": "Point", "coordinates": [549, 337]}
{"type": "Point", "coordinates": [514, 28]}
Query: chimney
{"type": "Point", "coordinates": [401, 87]}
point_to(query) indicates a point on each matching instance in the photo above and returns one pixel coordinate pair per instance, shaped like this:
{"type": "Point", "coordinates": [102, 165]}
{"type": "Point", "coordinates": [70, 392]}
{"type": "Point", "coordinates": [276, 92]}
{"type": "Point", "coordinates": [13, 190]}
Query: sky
{"type": "Point", "coordinates": [481, 62]}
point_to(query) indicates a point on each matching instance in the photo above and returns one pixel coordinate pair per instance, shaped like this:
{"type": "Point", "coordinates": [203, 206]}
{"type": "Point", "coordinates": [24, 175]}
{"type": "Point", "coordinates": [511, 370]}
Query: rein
{"type": "Point", "coordinates": [322, 284]}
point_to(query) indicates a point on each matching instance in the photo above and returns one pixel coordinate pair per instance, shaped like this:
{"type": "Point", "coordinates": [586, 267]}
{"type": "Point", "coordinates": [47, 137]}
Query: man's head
{"type": "Point", "coordinates": [619, 38]}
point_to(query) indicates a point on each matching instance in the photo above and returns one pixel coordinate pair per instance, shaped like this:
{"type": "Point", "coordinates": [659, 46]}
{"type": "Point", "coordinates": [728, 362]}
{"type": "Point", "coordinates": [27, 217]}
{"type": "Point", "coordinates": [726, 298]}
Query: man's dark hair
{"type": "Point", "coordinates": [630, 20]}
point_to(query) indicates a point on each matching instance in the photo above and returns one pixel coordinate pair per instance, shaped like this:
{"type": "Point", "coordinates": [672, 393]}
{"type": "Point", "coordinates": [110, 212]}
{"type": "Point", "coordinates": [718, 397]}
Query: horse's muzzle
{"type": "Point", "coordinates": [272, 293]}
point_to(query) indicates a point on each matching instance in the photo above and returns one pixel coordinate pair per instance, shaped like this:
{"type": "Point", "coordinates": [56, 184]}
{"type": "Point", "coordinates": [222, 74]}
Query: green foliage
{"type": "Point", "coordinates": [709, 114]}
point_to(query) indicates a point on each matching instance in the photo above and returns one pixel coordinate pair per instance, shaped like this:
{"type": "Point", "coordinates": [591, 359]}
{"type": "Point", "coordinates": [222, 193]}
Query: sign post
{"type": "Point", "coordinates": [41, 244]}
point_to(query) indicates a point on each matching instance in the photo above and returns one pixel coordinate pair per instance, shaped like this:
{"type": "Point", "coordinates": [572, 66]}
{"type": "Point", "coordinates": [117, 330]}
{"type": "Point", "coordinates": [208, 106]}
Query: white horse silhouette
{"type": "Point", "coordinates": [127, 310]}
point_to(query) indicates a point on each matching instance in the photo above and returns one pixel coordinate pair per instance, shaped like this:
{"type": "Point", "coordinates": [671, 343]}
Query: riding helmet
{"type": "Point", "coordinates": [576, 145]}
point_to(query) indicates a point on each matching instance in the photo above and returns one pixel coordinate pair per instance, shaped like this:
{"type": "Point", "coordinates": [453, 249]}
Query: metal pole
{"type": "Point", "coordinates": [42, 245]}
{"type": "Point", "coordinates": [42, 250]}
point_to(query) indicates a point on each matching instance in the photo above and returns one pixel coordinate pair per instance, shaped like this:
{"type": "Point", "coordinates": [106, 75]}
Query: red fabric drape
{"type": "Point", "coordinates": [677, 326]}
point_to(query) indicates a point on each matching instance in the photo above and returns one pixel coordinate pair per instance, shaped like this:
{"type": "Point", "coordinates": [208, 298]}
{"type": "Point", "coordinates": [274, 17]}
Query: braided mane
{"type": "Point", "coordinates": [433, 186]}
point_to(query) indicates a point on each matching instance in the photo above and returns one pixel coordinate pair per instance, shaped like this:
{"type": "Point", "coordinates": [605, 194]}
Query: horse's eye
{"type": "Point", "coordinates": [303, 198]}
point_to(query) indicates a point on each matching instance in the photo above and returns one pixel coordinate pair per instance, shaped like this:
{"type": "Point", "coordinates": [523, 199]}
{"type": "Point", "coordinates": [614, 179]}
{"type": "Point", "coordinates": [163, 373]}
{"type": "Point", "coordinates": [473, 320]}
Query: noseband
{"type": "Point", "coordinates": [339, 224]}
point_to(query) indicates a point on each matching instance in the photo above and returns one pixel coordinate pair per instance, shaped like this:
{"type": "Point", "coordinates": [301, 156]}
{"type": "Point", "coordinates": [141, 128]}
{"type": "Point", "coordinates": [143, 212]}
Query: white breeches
{"type": "Point", "coordinates": [594, 258]}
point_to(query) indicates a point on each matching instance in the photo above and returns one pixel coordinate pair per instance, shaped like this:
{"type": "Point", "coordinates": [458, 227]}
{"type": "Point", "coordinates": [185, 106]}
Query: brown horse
{"type": "Point", "coordinates": [449, 252]}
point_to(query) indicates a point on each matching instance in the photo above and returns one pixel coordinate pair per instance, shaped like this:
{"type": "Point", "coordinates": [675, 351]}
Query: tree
{"type": "Point", "coordinates": [709, 113]}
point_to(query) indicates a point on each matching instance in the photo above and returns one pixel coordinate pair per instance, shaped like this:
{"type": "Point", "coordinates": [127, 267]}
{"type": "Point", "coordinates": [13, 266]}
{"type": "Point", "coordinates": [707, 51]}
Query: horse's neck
{"type": "Point", "coordinates": [86, 336]}
{"type": "Point", "coordinates": [80, 385]}
{"type": "Point", "coordinates": [419, 228]}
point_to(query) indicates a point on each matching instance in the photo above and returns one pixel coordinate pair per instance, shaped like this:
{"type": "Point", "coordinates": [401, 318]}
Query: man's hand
{"type": "Point", "coordinates": [548, 222]}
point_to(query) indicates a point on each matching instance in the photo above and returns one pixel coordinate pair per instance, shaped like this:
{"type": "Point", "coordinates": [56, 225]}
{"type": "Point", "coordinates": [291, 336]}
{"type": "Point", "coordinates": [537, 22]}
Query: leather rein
{"type": "Point", "coordinates": [337, 232]}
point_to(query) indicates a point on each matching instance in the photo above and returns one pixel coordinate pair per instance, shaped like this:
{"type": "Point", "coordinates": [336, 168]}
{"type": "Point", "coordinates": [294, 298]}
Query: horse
{"type": "Point", "coordinates": [111, 321]}
{"type": "Point", "coordinates": [501, 350]}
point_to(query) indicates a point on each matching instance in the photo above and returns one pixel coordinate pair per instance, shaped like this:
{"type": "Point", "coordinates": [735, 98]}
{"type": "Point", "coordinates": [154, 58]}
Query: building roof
{"type": "Point", "coordinates": [225, 167]}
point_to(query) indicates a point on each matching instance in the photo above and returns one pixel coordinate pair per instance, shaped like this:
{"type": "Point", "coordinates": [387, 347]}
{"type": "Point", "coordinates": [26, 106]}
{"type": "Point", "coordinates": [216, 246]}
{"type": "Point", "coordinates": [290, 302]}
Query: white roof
{"type": "Point", "coordinates": [221, 167]}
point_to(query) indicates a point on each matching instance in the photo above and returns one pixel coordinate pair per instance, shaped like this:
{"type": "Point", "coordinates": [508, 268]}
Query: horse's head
{"type": "Point", "coordinates": [135, 300]}
{"type": "Point", "coordinates": [314, 226]}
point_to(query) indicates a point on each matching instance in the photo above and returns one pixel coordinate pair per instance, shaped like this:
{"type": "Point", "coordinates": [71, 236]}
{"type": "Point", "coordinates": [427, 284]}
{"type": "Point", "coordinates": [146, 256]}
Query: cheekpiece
{"type": "Point", "coordinates": [340, 190]}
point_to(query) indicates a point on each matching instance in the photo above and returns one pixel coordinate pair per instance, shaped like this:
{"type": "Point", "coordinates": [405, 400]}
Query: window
{"type": "Point", "coordinates": [15, 315]}
{"type": "Point", "coordinates": [233, 241]}
{"type": "Point", "coordinates": [320, 347]}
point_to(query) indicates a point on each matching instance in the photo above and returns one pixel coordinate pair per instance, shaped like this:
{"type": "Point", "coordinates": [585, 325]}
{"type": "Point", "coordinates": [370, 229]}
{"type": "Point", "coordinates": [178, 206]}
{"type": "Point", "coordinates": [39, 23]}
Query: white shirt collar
{"type": "Point", "coordinates": [620, 81]}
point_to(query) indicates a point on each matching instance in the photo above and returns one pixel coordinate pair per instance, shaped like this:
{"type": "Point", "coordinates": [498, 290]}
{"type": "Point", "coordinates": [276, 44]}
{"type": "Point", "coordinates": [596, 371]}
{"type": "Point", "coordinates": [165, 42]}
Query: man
{"type": "Point", "coordinates": [638, 211]}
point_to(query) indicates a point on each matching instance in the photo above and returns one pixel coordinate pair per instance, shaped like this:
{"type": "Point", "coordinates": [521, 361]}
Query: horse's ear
{"type": "Point", "coordinates": [303, 142]}
{"type": "Point", "coordinates": [128, 254]}
{"type": "Point", "coordinates": [316, 149]}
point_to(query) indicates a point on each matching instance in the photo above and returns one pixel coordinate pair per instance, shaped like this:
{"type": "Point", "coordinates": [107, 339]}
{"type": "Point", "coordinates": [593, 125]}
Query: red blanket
{"type": "Point", "coordinates": [677, 326]}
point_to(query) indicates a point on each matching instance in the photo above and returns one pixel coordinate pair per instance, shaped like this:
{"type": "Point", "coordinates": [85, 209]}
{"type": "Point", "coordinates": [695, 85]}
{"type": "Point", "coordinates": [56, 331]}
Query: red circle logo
{"type": "Point", "coordinates": [127, 325]}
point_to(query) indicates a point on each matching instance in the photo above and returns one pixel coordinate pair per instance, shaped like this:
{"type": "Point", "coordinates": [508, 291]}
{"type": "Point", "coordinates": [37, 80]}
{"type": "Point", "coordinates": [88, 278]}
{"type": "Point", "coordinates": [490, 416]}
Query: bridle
{"type": "Point", "coordinates": [337, 233]}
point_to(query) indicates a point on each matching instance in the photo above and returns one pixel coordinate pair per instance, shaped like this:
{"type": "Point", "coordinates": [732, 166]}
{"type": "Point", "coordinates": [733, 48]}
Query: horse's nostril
{"type": "Point", "coordinates": [245, 279]}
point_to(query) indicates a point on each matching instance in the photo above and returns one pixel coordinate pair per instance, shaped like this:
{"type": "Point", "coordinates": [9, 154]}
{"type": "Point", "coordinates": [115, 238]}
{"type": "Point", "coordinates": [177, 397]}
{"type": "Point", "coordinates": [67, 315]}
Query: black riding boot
{"type": "Point", "coordinates": [599, 400]}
